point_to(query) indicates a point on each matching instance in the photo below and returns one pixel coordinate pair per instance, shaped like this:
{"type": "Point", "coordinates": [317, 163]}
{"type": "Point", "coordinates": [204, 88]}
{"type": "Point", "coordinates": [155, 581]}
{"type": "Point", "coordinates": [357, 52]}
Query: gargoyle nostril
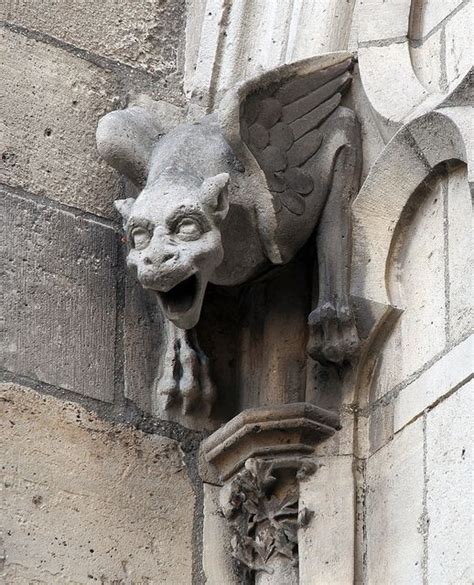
{"type": "Point", "coordinates": [167, 257]}
{"type": "Point", "coordinates": [147, 260]}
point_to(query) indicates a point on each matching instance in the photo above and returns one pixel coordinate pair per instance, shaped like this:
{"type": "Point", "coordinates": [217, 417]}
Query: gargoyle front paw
{"type": "Point", "coordinates": [332, 333]}
{"type": "Point", "coordinates": [185, 379]}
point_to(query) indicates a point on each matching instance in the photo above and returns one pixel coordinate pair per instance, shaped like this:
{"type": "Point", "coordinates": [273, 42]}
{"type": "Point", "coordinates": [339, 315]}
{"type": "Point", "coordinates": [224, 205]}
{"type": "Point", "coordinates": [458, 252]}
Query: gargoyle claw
{"type": "Point", "coordinates": [185, 376]}
{"type": "Point", "coordinates": [332, 334]}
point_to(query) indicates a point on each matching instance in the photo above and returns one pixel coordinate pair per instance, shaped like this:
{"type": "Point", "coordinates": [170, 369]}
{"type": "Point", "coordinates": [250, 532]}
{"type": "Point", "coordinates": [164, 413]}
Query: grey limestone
{"type": "Point", "coordinates": [51, 101]}
{"type": "Point", "coordinates": [144, 35]}
{"type": "Point", "coordinates": [449, 488]}
{"type": "Point", "coordinates": [395, 485]}
{"type": "Point", "coordinates": [87, 501]}
{"type": "Point", "coordinates": [224, 199]}
{"type": "Point", "coordinates": [59, 281]}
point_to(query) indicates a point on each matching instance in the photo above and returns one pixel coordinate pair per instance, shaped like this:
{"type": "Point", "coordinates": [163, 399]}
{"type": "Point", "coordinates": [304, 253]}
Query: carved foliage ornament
{"type": "Point", "coordinates": [263, 524]}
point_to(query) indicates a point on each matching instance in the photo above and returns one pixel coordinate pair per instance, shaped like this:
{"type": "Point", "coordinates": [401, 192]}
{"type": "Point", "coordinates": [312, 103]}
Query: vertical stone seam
{"type": "Point", "coordinates": [425, 519]}
{"type": "Point", "coordinates": [216, 68]}
{"type": "Point", "coordinates": [443, 77]}
{"type": "Point", "coordinates": [364, 523]}
{"type": "Point", "coordinates": [119, 341]}
{"type": "Point", "coordinates": [192, 469]}
{"type": "Point", "coordinates": [446, 276]}
{"type": "Point", "coordinates": [359, 468]}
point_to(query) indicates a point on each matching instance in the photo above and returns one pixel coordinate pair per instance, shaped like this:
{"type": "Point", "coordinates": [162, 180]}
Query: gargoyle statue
{"type": "Point", "coordinates": [244, 188]}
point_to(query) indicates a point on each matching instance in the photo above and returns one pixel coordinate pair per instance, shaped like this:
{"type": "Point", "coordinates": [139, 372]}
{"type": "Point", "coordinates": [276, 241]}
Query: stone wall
{"type": "Point", "coordinates": [96, 488]}
{"type": "Point", "coordinates": [90, 500]}
{"type": "Point", "coordinates": [87, 497]}
{"type": "Point", "coordinates": [419, 464]}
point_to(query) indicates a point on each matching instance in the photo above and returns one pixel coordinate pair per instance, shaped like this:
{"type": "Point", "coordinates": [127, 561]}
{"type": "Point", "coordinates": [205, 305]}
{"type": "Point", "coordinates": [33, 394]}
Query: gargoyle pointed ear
{"type": "Point", "coordinates": [124, 207]}
{"type": "Point", "coordinates": [215, 195]}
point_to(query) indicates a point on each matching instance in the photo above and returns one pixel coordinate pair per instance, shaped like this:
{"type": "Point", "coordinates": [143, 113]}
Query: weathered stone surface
{"type": "Point", "coordinates": [379, 21]}
{"type": "Point", "coordinates": [294, 429]}
{"type": "Point", "coordinates": [372, 140]}
{"type": "Point", "coordinates": [380, 425]}
{"type": "Point", "coordinates": [218, 564]}
{"type": "Point", "coordinates": [395, 510]}
{"type": "Point", "coordinates": [147, 35]}
{"type": "Point", "coordinates": [459, 44]}
{"type": "Point", "coordinates": [449, 485]}
{"type": "Point", "coordinates": [426, 14]}
{"type": "Point", "coordinates": [230, 42]}
{"type": "Point", "coordinates": [342, 442]}
{"type": "Point", "coordinates": [199, 221]}
{"type": "Point", "coordinates": [426, 60]}
{"type": "Point", "coordinates": [51, 102]}
{"type": "Point", "coordinates": [433, 384]}
{"type": "Point", "coordinates": [416, 284]}
{"type": "Point", "coordinates": [143, 338]}
{"type": "Point", "coordinates": [88, 501]}
{"type": "Point", "coordinates": [326, 545]}
{"type": "Point", "coordinates": [461, 255]}
{"type": "Point", "coordinates": [377, 64]}
{"type": "Point", "coordinates": [313, 31]}
{"type": "Point", "coordinates": [59, 281]}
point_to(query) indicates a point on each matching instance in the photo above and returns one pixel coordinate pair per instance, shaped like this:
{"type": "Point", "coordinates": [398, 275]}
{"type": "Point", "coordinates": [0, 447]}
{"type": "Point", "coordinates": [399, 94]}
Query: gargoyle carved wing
{"type": "Point", "coordinates": [273, 123]}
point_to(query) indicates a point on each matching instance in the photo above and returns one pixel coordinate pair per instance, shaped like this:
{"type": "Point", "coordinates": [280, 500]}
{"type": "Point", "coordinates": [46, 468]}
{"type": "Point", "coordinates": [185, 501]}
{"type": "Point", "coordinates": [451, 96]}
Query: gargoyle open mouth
{"type": "Point", "coordinates": [181, 297]}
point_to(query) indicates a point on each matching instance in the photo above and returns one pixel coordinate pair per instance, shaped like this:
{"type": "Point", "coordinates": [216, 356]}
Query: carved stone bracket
{"type": "Point", "coordinates": [259, 458]}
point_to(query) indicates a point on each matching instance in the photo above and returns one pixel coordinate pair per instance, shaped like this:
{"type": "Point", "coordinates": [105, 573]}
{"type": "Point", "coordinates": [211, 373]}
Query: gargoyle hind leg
{"type": "Point", "coordinates": [184, 377]}
{"type": "Point", "coordinates": [332, 331]}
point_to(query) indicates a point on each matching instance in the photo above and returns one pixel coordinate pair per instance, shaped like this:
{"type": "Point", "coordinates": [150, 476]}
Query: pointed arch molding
{"type": "Point", "coordinates": [439, 136]}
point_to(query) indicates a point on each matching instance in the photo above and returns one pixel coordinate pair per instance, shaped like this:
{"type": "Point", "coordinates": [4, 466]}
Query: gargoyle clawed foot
{"type": "Point", "coordinates": [332, 333]}
{"type": "Point", "coordinates": [185, 375]}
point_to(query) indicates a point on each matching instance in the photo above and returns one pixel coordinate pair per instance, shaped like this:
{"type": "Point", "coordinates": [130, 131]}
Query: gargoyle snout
{"type": "Point", "coordinates": [148, 259]}
{"type": "Point", "coordinates": [159, 251]}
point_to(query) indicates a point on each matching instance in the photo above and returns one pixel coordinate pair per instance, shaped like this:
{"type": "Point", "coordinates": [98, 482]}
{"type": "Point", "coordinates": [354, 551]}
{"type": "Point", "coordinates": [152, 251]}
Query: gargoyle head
{"type": "Point", "coordinates": [173, 230]}
{"type": "Point", "coordinates": [173, 226]}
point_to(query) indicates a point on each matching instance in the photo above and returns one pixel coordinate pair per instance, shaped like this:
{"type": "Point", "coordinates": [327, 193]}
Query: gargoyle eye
{"type": "Point", "coordinates": [140, 238]}
{"type": "Point", "coordinates": [188, 229]}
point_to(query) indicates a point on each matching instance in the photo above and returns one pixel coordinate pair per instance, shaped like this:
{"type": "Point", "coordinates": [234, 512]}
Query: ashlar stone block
{"type": "Point", "coordinates": [218, 563]}
{"type": "Point", "coordinates": [87, 501]}
{"type": "Point", "coordinates": [51, 101]}
{"type": "Point", "coordinates": [140, 34]}
{"type": "Point", "coordinates": [449, 496]}
{"type": "Point", "coordinates": [459, 44]}
{"type": "Point", "coordinates": [59, 281]}
{"type": "Point", "coordinates": [460, 254]}
{"type": "Point", "coordinates": [395, 510]}
{"type": "Point", "coordinates": [379, 20]}
{"type": "Point", "coordinates": [450, 371]}
{"type": "Point", "coordinates": [326, 545]}
{"type": "Point", "coordinates": [426, 59]}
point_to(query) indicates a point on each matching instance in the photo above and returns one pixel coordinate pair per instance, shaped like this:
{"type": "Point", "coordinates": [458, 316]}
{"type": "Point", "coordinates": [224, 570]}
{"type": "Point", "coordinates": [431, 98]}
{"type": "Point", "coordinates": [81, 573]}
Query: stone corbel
{"type": "Point", "coordinates": [258, 458]}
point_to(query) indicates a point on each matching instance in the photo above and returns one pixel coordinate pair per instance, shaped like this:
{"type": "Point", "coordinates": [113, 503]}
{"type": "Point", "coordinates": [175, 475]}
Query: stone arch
{"type": "Point", "coordinates": [406, 163]}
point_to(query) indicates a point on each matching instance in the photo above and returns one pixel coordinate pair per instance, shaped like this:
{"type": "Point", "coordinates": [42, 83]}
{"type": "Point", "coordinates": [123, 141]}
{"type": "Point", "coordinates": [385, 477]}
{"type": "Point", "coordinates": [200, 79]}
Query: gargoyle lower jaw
{"type": "Point", "coordinates": [182, 304]}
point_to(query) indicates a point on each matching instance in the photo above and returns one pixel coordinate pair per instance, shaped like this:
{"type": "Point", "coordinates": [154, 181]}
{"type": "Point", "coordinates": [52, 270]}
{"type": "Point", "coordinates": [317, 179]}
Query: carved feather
{"type": "Point", "coordinates": [280, 124]}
